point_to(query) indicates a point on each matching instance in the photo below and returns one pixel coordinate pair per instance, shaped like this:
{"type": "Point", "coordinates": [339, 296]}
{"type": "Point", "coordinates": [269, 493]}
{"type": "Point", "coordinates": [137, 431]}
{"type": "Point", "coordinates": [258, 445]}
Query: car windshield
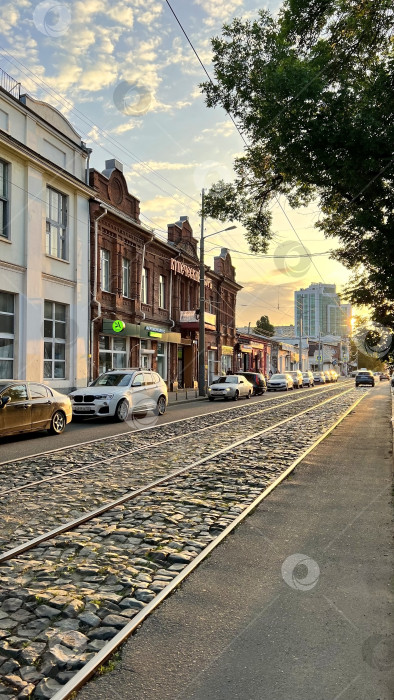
{"type": "Point", "coordinates": [278, 376]}
{"type": "Point", "coordinates": [112, 380]}
{"type": "Point", "coordinates": [227, 380]}
{"type": "Point", "coordinates": [305, 374]}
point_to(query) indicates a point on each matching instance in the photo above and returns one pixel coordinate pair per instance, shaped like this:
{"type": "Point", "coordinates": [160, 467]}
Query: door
{"type": "Point", "coordinates": [41, 407]}
{"type": "Point", "coordinates": [138, 393]}
{"type": "Point", "coordinates": [149, 390]}
{"type": "Point", "coordinates": [16, 414]}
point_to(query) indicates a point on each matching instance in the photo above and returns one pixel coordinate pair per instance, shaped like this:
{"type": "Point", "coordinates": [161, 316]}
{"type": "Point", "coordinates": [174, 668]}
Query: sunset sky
{"type": "Point", "coordinates": [125, 76]}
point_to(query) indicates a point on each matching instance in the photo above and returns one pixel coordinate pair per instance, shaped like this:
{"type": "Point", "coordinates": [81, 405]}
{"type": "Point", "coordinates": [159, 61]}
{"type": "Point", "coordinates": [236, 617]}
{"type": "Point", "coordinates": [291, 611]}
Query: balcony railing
{"type": "Point", "coordinates": [9, 84]}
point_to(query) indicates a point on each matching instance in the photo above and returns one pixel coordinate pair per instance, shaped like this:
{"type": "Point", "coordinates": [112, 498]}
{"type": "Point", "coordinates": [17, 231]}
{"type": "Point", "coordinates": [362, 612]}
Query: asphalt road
{"type": "Point", "coordinates": [252, 624]}
{"type": "Point", "coordinates": [95, 428]}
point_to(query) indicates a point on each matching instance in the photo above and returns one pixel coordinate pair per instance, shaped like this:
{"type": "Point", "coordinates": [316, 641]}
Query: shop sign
{"type": "Point", "coordinates": [245, 348]}
{"type": "Point", "coordinates": [155, 329]}
{"type": "Point", "coordinates": [155, 334]}
{"type": "Point", "coordinates": [180, 268]}
{"type": "Point", "coordinates": [118, 326]}
{"type": "Point", "coordinates": [227, 350]}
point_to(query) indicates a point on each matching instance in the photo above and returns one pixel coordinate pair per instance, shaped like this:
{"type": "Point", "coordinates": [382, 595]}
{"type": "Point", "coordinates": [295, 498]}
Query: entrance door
{"type": "Point", "coordinates": [180, 367]}
{"type": "Point", "coordinates": [211, 366]}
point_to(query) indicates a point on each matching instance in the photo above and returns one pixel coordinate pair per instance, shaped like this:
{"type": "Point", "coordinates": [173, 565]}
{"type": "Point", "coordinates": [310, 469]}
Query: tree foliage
{"type": "Point", "coordinates": [312, 93]}
{"type": "Point", "coordinates": [263, 325]}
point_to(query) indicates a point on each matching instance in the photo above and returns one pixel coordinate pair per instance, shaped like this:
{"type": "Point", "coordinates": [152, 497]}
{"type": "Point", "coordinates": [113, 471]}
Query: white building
{"type": "Point", "coordinates": [44, 243]}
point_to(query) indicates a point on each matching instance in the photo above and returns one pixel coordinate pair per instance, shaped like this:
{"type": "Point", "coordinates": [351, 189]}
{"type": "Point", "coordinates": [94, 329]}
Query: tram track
{"type": "Point", "coordinates": [121, 561]}
{"type": "Point", "coordinates": [32, 507]}
{"type": "Point", "coordinates": [142, 436]}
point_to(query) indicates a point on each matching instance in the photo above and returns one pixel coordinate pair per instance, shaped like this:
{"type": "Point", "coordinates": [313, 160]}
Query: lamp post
{"type": "Point", "coordinates": [201, 333]}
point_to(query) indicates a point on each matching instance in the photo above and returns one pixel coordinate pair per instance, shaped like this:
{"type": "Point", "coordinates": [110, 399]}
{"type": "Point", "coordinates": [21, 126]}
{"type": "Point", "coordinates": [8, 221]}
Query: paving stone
{"type": "Point", "coordinates": [89, 618]}
{"type": "Point", "coordinates": [103, 633]}
{"type": "Point", "coordinates": [46, 611]}
{"type": "Point", "coordinates": [114, 621]}
{"type": "Point", "coordinates": [71, 639]}
{"type": "Point", "coordinates": [11, 604]}
{"type": "Point", "coordinates": [46, 688]}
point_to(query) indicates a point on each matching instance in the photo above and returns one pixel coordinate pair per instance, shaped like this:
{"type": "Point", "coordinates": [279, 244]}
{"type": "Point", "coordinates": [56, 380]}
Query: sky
{"type": "Point", "coordinates": [126, 78]}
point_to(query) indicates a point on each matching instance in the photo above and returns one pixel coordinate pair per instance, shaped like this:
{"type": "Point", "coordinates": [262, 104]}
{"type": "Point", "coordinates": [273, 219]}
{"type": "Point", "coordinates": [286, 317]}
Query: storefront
{"type": "Point", "coordinates": [227, 359]}
{"type": "Point", "coordinates": [136, 345]}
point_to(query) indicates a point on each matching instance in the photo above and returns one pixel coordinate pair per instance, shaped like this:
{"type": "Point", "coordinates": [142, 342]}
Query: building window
{"type": "Point", "coordinates": [125, 277]}
{"type": "Point", "coordinates": [161, 360]}
{"type": "Point", "coordinates": [112, 353]}
{"type": "Point", "coordinates": [144, 286]}
{"type": "Point", "coordinates": [4, 203]}
{"type": "Point", "coordinates": [162, 292]}
{"type": "Point", "coordinates": [55, 327]}
{"type": "Point", "coordinates": [6, 335]}
{"type": "Point", "coordinates": [104, 267]}
{"type": "Point", "coordinates": [56, 226]}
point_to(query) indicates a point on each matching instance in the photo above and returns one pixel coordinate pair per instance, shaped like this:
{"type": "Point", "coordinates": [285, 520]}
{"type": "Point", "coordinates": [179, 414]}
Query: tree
{"type": "Point", "coordinates": [312, 94]}
{"type": "Point", "coordinates": [263, 325]}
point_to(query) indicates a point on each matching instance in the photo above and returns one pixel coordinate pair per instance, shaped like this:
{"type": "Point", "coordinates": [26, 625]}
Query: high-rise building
{"type": "Point", "coordinates": [321, 310]}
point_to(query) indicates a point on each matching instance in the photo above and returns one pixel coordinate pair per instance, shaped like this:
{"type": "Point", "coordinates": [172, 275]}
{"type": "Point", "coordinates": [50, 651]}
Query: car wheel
{"type": "Point", "coordinates": [122, 411]}
{"type": "Point", "coordinates": [210, 398]}
{"type": "Point", "coordinates": [58, 423]}
{"type": "Point", "coordinates": [249, 394]}
{"type": "Point", "coordinates": [236, 395]}
{"type": "Point", "coordinates": [161, 406]}
{"type": "Point", "coordinates": [254, 392]}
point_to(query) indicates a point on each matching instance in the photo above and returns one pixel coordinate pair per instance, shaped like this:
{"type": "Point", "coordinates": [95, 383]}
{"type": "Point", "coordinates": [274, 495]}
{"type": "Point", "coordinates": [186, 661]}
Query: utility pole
{"type": "Point", "coordinates": [201, 334]}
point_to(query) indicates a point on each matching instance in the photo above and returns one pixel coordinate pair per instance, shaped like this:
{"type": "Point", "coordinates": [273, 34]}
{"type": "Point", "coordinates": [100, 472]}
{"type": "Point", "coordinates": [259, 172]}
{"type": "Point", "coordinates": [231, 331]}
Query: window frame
{"type": "Point", "coordinates": [4, 335]}
{"type": "Point", "coordinates": [110, 352]}
{"type": "Point", "coordinates": [103, 264]}
{"type": "Point", "coordinates": [60, 226]}
{"type": "Point", "coordinates": [54, 340]}
{"type": "Point", "coordinates": [5, 201]}
{"type": "Point", "coordinates": [126, 268]}
{"type": "Point", "coordinates": [162, 292]}
{"type": "Point", "coordinates": [144, 286]}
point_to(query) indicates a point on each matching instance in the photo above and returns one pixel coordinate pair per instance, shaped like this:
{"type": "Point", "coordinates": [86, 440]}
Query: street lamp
{"type": "Point", "coordinates": [201, 334]}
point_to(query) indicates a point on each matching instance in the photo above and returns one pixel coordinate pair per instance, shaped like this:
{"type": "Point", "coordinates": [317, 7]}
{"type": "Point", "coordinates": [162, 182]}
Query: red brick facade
{"type": "Point", "coordinates": [161, 330]}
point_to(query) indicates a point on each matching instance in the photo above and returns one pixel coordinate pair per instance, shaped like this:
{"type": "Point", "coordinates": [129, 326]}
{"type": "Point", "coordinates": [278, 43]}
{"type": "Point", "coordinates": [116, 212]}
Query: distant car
{"type": "Point", "coordinates": [280, 382]}
{"type": "Point", "coordinates": [120, 393]}
{"type": "Point", "coordinates": [319, 377]}
{"type": "Point", "coordinates": [384, 376]}
{"type": "Point", "coordinates": [328, 375]}
{"type": "Point", "coordinates": [297, 378]}
{"type": "Point", "coordinates": [29, 406]}
{"type": "Point", "coordinates": [365, 377]}
{"type": "Point", "coordinates": [307, 379]}
{"type": "Point", "coordinates": [257, 380]}
{"type": "Point", "coordinates": [334, 375]}
{"type": "Point", "coordinates": [232, 386]}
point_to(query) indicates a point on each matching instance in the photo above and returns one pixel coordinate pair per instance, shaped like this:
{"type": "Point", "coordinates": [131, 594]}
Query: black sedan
{"type": "Point", "coordinates": [365, 378]}
{"type": "Point", "coordinates": [29, 406]}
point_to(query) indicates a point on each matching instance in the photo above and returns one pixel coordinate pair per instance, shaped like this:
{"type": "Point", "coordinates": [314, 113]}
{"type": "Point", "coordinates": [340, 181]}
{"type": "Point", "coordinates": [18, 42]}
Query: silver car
{"type": "Point", "coordinates": [280, 382]}
{"type": "Point", "coordinates": [232, 386]}
{"type": "Point", "coordinates": [120, 393]}
{"type": "Point", "coordinates": [307, 379]}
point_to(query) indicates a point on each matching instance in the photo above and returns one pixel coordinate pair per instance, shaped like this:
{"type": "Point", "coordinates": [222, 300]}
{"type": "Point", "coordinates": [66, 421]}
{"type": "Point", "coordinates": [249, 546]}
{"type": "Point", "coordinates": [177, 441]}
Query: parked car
{"type": "Point", "coordinates": [120, 393]}
{"type": "Point", "coordinates": [365, 377]}
{"type": "Point", "coordinates": [280, 382]}
{"type": "Point", "coordinates": [232, 386]}
{"type": "Point", "coordinates": [297, 378]}
{"type": "Point", "coordinates": [29, 406]}
{"type": "Point", "coordinates": [327, 375]}
{"type": "Point", "coordinates": [307, 379]}
{"type": "Point", "coordinates": [257, 380]}
{"type": "Point", "coordinates": [334, 375]}
{"type": "Point", "coordinates": [319, 377]}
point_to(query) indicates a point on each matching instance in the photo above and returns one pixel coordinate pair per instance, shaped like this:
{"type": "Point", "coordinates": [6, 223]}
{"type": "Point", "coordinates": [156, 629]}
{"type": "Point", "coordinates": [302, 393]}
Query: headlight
{"type": "Point", "coordinates": [104, 396]}
{"type": "Point", "coordinates": [228, 388]}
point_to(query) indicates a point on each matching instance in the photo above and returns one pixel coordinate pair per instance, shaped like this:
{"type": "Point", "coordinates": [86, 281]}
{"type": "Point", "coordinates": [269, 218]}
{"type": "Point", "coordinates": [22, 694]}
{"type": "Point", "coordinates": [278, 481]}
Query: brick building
{"type": "Point", "coordinates": [152, 286]}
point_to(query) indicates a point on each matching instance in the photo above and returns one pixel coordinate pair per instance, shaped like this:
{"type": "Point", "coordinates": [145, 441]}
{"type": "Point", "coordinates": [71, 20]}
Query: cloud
{"type": "Point", "coordinates": [218, 10]}
{"type": "Point", "coordinates": [225, 128]}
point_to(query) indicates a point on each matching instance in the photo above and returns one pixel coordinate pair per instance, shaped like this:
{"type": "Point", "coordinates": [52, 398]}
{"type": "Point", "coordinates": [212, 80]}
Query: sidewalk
{"type": "Point", "coordinates": [184, 396]}
{"type": "Point", "coordinates": [295, 605]}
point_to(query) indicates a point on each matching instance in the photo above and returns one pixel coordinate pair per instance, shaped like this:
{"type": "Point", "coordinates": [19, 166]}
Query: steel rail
{"type": "Point", "coordinates": [151, 445]}
{"type": "Point", "coordinates": [152, 427]}
{"type": "Point", "coordinates": [82, 676]}
{"type": "Point", "coordinates": [71, 525]}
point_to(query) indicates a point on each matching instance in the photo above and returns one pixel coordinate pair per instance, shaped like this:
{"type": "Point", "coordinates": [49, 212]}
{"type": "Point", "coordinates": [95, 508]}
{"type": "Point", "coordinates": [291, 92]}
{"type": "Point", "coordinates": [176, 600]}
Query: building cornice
{"type": "Point", "coordinates": [20, 148]}
{"type": "Point", "coordinates": [12, 266]}
{"type": "Point", "coordinates": [59, 280]}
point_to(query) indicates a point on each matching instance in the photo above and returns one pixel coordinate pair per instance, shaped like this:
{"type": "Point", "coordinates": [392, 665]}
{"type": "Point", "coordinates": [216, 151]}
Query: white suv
{"type": "Point", "coordinates": [119, 393]}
